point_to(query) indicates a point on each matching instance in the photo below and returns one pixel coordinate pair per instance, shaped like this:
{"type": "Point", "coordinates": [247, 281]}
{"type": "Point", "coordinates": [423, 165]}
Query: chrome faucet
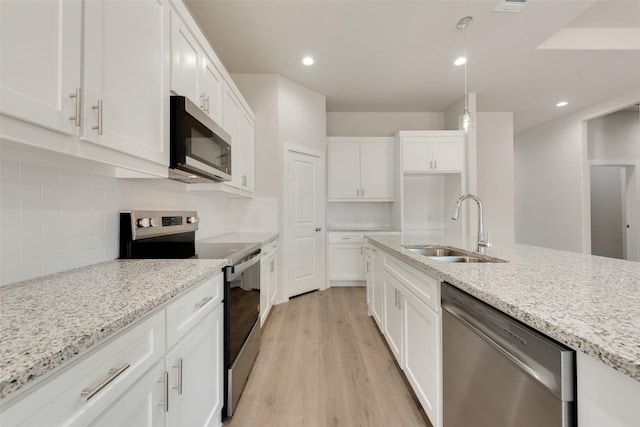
{"type": "Point", "coordinates": [483, 242]}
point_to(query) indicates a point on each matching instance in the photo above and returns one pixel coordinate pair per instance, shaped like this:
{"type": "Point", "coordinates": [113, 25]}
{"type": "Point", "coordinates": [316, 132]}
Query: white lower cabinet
{"type": "Point", "coordinates": [268, 279]}
{"type": "Point", "coordinates": [195, 375]}
{"type": "Point", "coordinates": [393, 316]}
{"type": "Point", "coordinates": [346, 258]}
{"type": "Point", "coordinates": [422, 358]}
{"type": "Point", "coordinates": [412, 329]}
{"type": "Point", "coordinates": [141, 405]}
{"type": "Point", "coordinates": [136, 378]}
{"type": "Point", "coordinates": [377, 293]}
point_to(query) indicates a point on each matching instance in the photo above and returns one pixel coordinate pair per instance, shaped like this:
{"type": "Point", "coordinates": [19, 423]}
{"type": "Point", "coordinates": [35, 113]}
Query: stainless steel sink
{"type": "Point", "coordinates": [441, 254]}
{"type": "Point", "coordinates": [434, 251]}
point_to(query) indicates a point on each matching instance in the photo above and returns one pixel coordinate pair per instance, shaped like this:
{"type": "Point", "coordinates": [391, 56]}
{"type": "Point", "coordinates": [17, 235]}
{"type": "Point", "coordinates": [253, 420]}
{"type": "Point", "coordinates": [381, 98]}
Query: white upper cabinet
{"type": "Point", "coordinates": [40, 74]}
{"type": "Point", "coordinates": [124, 94]}
{"type": "Point", "coordinates": [360, 169]}
{"type": "Point", "coordinates": [239, 124]}
{"type": "Point", "coordinates": [193, 73]}
{"type": "Point", "coordinates": [441, 151]}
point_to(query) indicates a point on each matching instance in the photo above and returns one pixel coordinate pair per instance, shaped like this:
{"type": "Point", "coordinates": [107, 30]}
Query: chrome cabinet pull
{"type": "Point", "coordinates": [99, 108]}
{"type": "Point", "coordinates": [203, 301]}
{"type": "Point", "coordinates": [435, 164]}
{"type": "Point", "coordinates": [202, 101]}
{"type": "Point", "coordinates": [207, 105]}
{"type": "Point", "coordinates": [76, 118]}
{"type": "Point", "coordinates": [178, 365]}
{"type": "Point", "coordinates": [165, 392]}
{"type": "Point", "coordinates": [244, 180]}
{"type": "Point", "coordinates": [362, 191]}
{"type": "Point", "coordinates": [395, 291]}
{"type": "Point", "coordinates": [114, 373]}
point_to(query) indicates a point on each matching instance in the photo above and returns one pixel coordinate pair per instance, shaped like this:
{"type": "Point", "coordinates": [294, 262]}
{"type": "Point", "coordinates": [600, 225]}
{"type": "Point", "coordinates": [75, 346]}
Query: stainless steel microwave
{"type": "Point", "coordinates": [200, 149]}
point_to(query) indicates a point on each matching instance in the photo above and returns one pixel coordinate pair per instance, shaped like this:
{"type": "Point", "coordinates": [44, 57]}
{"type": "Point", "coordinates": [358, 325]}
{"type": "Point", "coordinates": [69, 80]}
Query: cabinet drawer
{"type": "Point", "coordinates": [105, 373]}
{"type": "Point", "coordinates": [346, 238]}
{"type": "Point", "coordinates": [270, 249]}
{"type": "Point", "coordinates": [191, 307]}
{"type": "Point", "coordinates": [425, 287]}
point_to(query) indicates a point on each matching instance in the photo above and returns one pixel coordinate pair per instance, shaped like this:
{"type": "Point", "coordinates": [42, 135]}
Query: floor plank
{"type": "Point", "coordinates": [322, 362]}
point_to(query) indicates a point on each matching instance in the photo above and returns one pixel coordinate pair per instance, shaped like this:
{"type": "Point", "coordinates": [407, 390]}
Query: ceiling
{"type": "Point", "coordinates": [397, 56]}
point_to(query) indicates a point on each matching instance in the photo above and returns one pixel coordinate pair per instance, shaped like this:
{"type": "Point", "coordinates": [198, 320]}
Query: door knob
{"type": "Point", "coordinates": [318, 229]}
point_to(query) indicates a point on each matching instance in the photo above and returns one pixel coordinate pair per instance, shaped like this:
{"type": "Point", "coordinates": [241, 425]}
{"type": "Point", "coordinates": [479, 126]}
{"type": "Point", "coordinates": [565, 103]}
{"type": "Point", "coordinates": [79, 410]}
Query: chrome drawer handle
{"type": "Point", "coordinates": [99, 108]}
{"type": "Point", "coordinates": [114, 373]}
{"type": "Point", "coordinates": [165, 391]}
{"type": "Point", "coordinates": [203, 302]}
{"type": "Point", "coordinates": [76, 118]}
{"type": "Point", "coordinates": [178, 366]}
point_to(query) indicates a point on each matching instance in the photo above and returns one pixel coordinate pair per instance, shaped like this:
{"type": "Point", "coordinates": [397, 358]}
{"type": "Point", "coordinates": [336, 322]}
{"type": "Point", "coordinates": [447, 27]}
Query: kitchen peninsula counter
{"type": "Point", "coordinates": [589, 303]}
{"type": "Point", "coordinates": [46, 321]}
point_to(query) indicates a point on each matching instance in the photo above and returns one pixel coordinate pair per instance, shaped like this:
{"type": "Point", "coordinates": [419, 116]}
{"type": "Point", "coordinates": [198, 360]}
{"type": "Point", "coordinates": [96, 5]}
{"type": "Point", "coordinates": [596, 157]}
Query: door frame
{"type": "Point", "coordinates": [631, 195]}
{"type": "Point", "coordinates": [287, 199]}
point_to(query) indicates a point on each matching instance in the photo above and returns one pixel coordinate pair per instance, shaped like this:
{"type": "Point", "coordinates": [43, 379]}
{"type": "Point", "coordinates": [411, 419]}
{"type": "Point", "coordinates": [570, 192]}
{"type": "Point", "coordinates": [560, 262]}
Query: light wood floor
{"type": "Point", "coordinates": [322, 362]}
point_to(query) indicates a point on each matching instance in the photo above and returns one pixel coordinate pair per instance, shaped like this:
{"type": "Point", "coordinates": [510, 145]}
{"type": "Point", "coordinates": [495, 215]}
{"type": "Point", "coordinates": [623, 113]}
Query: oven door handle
{"type": "Point", "coordinates": [237, 269]}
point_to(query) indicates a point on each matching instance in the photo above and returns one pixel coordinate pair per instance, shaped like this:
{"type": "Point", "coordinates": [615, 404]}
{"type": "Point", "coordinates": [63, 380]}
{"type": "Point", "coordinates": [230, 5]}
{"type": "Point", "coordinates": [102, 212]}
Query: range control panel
{"type": "Point", "coordinates": [145, 224]}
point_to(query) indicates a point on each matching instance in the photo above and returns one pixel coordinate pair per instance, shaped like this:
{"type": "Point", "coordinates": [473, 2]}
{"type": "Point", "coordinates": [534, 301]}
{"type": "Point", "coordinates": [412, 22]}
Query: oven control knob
{"type": "Point", "coordinates": [193, 220]}
{"type": "Point", "coordinates": [147, 222]}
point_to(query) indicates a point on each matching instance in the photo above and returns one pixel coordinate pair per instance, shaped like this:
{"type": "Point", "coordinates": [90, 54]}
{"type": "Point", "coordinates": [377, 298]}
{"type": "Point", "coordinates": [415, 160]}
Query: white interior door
{"type": "Point", "coordinates": [304, 195]}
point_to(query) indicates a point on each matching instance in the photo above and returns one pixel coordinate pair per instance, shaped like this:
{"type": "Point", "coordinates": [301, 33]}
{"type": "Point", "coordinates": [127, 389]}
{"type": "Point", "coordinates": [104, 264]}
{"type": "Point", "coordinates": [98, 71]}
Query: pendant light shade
{"type": "Point", "coordinates": [465, 121]}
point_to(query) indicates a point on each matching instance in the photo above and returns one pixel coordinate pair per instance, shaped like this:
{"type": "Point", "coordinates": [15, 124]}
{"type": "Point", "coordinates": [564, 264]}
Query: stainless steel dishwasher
{"type": "Point", "coordinates": [498, 372]}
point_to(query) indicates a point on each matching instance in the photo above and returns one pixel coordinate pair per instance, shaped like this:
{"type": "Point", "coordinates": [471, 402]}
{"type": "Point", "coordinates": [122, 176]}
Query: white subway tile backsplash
{"type": "Point", "coordinates": [54, 219]}
{"type": "Point", "coordinates": [9, 170]}
{"type": "Point", "coordinates": [37, 174]}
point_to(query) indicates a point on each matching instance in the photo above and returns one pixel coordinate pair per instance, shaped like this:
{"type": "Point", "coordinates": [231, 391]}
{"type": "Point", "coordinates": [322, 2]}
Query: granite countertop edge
{"type": "Point", "coordinates": [593, 341]}
{"type": "Point", "coordinates": [263, 238]}
{"type": "Point", "coordinates": [25, 361]}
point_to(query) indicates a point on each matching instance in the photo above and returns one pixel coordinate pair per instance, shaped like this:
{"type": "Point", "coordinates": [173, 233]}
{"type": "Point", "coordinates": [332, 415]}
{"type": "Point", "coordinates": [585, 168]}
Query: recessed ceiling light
{"type": "Point", "coordinates": [307, 60]}
{"type": "Point", "coordinates": [561, 104]}
{"type": "Point", "coordinates": [460, 61]}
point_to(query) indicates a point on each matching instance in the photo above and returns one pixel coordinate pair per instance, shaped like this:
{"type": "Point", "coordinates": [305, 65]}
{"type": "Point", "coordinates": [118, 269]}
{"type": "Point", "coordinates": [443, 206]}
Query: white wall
{"type": "Point", "coordinates": [551, 207]}
{"type": "Point", "coordinates": [615, 136]}
{"type": "Point", "coordinates": [494, 133]}
{"type": "Point", "coordinates": [302, 115]}
{"type": "Point", "coordinates": [380, 124]}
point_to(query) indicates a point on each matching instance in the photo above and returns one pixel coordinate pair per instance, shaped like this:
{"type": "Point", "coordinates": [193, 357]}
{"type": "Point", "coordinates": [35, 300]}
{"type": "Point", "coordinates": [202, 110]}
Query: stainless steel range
{"type": "Point", "coordinates": [171, 234]}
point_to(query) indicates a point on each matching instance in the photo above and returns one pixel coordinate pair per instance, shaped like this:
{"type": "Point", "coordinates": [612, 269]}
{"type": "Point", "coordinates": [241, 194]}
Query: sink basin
{"type": "Point", "coordinates": [464, 259]}
{"type": "Point", "coordinates": [433, 251]}
{"type": "Point", "coordinates": [441, 254]}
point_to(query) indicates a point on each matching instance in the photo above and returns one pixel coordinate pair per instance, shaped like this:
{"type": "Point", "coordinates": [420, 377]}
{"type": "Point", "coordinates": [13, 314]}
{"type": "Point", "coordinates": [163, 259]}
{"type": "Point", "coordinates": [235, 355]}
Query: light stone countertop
{"type": "Point", "coordinates": [48, 320]}
{"type": "Point", "coordinates": [262, 238]}
{"type": "Point", "coordinates": [589, 303]}
{"type": "Point", "coordinates": [363, 229]}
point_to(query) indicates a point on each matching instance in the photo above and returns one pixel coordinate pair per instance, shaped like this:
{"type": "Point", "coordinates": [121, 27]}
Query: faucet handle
{"type": "Point", "coordinates": [486, 242]}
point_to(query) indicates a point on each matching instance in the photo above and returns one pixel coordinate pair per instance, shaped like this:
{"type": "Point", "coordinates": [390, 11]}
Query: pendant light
{"type": "Point", "coordinates": [465, 121]}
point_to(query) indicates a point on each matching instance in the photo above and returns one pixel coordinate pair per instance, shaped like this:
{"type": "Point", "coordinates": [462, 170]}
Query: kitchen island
{"type": "Point", "coordinates": [589, 303]}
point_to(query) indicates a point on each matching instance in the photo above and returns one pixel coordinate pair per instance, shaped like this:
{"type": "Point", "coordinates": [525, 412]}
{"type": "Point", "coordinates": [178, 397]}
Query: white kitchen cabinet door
{"type": "Point", "coordinates": [393, 316]}
{"type": "Point", "coordinates": [125, 97]}
{"type": "Point", "coordinates": [195, 375]}
{"type": "Point", "coordinates": [346, 261]}
{"type": "Point", "coordinates": [377, 294]}
{"type": "Point", "coordinates": [422, 354]}
{"type": "Point", "coordinates": [141, 405]}
{"type": "Point", "coordinates": [343, 173]}
{"type": "Point", "coordinates": [248, 147]}
{"type": "Point", "coordinates": [433, 154]}
{"type": "Point", "coordinates": [212, 88]}
{"type": "Point", "coordinates": [232, 124]}
{"type": "Point", "coordinates": [273, 279]}
{"type": "Point", "coordinates": [448, 155]}
{"type": "Point", "coordinates": [377, 170]}
{"type": "Point", "coordinates": [40, 62]}
{"type": "Point", "coordinates": [186, 60]}
{"type": "Point", "coordinates": [264, 290]}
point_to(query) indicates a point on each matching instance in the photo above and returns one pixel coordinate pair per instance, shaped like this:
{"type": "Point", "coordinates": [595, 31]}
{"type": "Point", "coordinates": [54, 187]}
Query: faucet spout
{"type": "Point", "coordinates": [483, 242]}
